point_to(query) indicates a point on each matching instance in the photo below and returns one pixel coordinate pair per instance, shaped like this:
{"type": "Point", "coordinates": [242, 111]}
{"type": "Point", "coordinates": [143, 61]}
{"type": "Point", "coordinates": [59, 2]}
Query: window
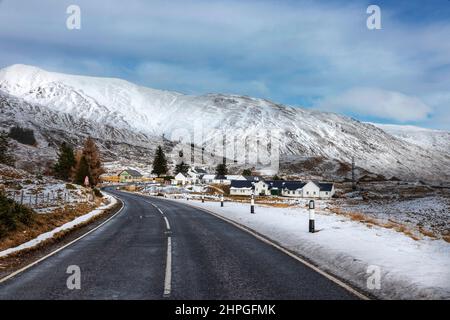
{"type": "Point", "coordinates": [307, 193]}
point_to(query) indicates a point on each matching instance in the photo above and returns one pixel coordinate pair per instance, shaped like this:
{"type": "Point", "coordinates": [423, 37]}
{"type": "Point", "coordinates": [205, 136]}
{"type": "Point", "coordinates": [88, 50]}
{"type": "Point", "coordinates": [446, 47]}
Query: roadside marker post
{"type": "Point", "coordinates": [252, 204]}
{"type": "Point", "coordinates": [311, 215]}
{"type": "Point", "coordinates": [221, 200]}
{"type": "Point", "coordinates": [203, 198]}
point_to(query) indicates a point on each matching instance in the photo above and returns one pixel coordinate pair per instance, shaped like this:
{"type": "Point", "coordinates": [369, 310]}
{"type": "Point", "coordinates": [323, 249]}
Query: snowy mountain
{"type": "Point", "coordinates": [427, 138]}
{"type": "Point", "coordinates": [142, 116]}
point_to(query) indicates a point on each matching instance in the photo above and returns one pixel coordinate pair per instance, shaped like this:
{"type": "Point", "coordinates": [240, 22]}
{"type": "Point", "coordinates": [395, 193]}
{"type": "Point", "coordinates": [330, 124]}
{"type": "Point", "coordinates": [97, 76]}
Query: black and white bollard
{"type": "Point", "coordinates": [221, 200]}
{"type": "Point", "coordinates": [252, 204]}
{"type": "Point", "coordinates": [203, 199]}
{"type": "Point", "coordinates": [311, 215]}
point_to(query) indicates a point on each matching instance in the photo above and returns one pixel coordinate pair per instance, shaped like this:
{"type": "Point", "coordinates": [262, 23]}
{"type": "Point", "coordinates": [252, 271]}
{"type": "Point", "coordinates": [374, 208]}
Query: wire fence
{"type": "Point", "coordinates": [41, 199]}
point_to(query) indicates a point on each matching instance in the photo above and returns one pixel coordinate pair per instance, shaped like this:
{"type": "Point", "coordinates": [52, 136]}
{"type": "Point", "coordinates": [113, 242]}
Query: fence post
{"type": "Point", "coordinates": [21, 197]}
{"type": "Point", "coordinates": [252, 204]}
{"type": "Point", "coordinates": [311, 216]}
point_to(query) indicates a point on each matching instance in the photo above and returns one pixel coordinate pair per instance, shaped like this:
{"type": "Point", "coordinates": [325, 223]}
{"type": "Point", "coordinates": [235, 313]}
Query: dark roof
{"type": "Point", "coordinates": [131, 172]}
{"type": "Point", "coordinates": [241, 184]}
{"type": "Point", "coordinates": [325, 186]}
{"type": "Point", "coordinates": [293, 185]}
{"type": "Point", "coordinates": [217, 177]}
{"type": "Point", "coordinates": [281, 184]}
{"type": "Point", "coordinates": [278, 184]}
{"type": "Point", "coordinates": [200, 170]}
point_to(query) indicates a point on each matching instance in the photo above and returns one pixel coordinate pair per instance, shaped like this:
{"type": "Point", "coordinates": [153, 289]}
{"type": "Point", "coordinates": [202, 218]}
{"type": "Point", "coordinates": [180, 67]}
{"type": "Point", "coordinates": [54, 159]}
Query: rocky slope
{"type": "Point", "coordinates": [122, 114]}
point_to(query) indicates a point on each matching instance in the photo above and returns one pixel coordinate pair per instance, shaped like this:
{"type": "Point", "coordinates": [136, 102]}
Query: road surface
{"type": "Point", "coordinates": [160, 249]}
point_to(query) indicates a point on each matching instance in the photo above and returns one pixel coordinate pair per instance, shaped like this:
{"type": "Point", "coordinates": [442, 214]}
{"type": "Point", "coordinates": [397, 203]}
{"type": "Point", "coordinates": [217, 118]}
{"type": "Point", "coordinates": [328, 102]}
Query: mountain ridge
{"type": "Point", "coordinates": [158, 113]}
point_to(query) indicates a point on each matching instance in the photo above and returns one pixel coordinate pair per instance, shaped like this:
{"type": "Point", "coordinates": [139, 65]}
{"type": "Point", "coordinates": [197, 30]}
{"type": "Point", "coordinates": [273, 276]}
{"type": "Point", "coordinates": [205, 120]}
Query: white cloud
{"type": "Point", "coordinates": [287, 51]}
{"type": "Point", "coordinates": [378, 103]}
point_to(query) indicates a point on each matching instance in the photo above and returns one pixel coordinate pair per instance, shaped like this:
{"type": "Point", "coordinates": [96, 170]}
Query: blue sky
{"type": "Point", "coordinates": [315, 54]}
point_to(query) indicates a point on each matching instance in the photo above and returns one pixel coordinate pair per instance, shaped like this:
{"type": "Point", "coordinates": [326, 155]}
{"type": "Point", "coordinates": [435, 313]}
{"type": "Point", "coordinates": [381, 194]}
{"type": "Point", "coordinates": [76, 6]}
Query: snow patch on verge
{"type": "Point", "coordinates": [69, 225]}
{"type": "Point", "coordinates": [409, 269]}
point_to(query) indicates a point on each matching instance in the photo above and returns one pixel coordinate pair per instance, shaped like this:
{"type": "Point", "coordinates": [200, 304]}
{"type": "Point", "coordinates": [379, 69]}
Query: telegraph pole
{"type": "Point", "coordinates": [353, 174]}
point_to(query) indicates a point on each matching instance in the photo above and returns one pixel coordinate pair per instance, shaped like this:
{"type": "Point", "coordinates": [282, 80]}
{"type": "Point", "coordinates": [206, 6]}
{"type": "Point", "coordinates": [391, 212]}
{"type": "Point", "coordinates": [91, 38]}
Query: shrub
{"type": "Point", "coordinates": [12, 215]}
{"type": "Point", "coordinates": [70, 186]}
{"type": "Point", "coordinates": [98, 193]}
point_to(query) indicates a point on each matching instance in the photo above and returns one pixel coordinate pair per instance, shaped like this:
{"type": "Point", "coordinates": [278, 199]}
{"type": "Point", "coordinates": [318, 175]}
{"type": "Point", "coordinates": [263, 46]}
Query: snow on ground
{"type": "Point", "coordinates": [431, 212]}
{"type": "Point", "coordinates": [111, 201]}
{"type": "Point", "coordinates": [44, 194]}
{"type": "Point", "coordinates": [410, 269]}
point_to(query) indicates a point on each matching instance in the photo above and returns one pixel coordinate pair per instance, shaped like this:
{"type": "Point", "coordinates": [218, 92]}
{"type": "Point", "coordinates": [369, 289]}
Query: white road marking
{"type": "Point", "coordinates": [284, 250]}
{"type": "Point", "coordinates": [62, 248]}
{"type": "Point", "coordinates": [168, 277]}
{"type": "Point", "coordinates": [160, 211]}
{"type": "Point", "coordinates": [167, 223]}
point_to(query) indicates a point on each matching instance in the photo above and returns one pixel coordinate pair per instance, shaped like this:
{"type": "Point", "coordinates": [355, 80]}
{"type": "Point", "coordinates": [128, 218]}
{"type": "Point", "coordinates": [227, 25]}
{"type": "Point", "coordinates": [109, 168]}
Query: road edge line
{"type": "Point", "coordinates": [17, 272]}
{"type": "Point", "coordinates": [281, 248]}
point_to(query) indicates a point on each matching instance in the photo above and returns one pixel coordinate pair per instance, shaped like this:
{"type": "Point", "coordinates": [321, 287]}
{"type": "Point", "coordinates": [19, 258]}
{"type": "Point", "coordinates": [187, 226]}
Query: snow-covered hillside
{"type": "Point", "coordinates": [120, 105]}
{"type": "Point", "coordinates": [427, 138]}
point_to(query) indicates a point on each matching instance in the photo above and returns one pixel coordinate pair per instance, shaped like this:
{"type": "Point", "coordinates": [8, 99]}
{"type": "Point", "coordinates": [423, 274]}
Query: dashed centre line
{"type": "Point", "coordinates": [168, 275]}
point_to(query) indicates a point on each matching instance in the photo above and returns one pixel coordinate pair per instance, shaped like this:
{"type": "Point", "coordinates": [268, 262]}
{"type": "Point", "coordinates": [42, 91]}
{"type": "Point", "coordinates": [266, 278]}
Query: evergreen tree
{"type": "Point", "coordinates": [247, 172]}
{"type": "Point", "coordinates": [181, 168]}
{"type": "Point", "coordinates": [92, 156]}
{"type": "Point", "coordinates": [5, 150]}
{"type": "Point", "coordinates": [159, 162]}
{"type": "Point", "coordinates": [83, 171]}
{"type": "Point", "coordinates": [66, 162]}
{"type": "Point", "coordinates": [221, 169]}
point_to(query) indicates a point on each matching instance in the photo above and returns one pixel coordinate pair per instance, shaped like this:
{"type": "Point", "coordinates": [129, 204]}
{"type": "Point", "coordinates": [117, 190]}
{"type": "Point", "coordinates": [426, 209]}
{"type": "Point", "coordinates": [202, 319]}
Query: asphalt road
{"type": "Point", "coordinates": [160, 249]}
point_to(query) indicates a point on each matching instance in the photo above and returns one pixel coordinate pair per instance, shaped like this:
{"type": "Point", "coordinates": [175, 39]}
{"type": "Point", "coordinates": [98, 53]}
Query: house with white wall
{"type": "Point", "coordinates": [327, 190]}
{"type": "Point", "coordinates": [181, 179]}
{"type": "Point", "coordinates": [216, 179]}
{"type": "Point", "coordinates": [196, 174]}
{"type": "Point", "coordinates": [241, 188]}
{"type": "Point", "coordinates": [297, 189]}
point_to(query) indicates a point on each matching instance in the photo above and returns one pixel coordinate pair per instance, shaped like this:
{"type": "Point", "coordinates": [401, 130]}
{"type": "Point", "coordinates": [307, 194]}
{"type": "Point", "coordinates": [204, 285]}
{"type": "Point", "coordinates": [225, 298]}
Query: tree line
{"type": "Point", "coordinates": [79, 165]}
{"type": "Point", "coordinates": [160, 166]}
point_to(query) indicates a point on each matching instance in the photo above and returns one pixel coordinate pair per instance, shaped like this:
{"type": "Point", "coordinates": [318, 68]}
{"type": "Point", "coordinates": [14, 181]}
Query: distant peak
{"type": "Point", "coordinates": [21, 67]}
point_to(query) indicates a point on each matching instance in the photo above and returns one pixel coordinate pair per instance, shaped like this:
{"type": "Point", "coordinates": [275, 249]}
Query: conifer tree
{"type": "Point", "coordinates": [221, 169]}
{"type": "Point", "coordinates": [181, 168]}
{"type": "Point", "coordinates": [66, 162]}
{"type": "Point", "coordinates": [159, 162]}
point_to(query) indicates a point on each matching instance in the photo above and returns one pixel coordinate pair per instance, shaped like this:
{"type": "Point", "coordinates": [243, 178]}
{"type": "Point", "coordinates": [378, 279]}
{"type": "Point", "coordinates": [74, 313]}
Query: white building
{"type": "Point", "coordinates": [196, 174]}
{"type": "Point", "coordinates": [296, 189]}
{"type": "Point", "coordinates": [241, 188]}
{"type": "Point", "coordinates": [181, 179]}
{"type": "Point", "coordinates": [216, 179]}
